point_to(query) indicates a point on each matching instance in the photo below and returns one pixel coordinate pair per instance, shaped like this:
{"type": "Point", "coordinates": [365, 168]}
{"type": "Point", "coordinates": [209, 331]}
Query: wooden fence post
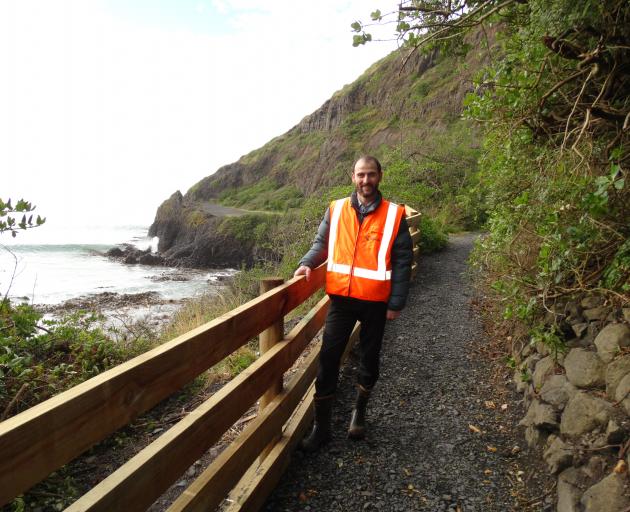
{"type": "Point", "coordinates": [267, 339]}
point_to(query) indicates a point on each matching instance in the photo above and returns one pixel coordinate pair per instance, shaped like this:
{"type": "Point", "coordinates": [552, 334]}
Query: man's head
{"type": "Point", "coordinates": [366, 175]}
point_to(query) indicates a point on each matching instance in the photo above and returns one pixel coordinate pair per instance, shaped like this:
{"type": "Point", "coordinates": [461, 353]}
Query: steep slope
{"type": "Point", "coordinates": [389, 106]}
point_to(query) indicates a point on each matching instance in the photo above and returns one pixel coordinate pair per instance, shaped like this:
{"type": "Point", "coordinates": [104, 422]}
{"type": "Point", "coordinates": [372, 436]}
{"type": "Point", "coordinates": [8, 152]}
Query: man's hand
{"type": "Point", "coordinates": [391, 315]}
{"type": "Point", "coordinates": [303, 271]}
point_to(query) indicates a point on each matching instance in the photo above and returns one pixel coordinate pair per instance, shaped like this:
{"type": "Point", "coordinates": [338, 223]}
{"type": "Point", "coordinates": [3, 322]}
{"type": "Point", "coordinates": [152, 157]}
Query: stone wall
{"type": "Point", "coordinates": [578, 404]}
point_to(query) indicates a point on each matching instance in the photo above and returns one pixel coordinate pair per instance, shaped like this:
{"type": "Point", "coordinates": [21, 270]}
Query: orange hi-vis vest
{"type": "Point", "coordinates": [359, 254]}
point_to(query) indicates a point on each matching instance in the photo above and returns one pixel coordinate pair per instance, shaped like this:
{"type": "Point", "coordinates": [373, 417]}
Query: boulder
{"type": "Point", "coordinates": [534, 437]}
{"type": "Point", "coordinates": [543, 369]}
{"type": "Point", "coordinates": [615, 433]}
{"type": "Point", "coordinates": [583, 413]}
{"type": "Point", "coordinates": [598, 313]}
{"type": "Point", "coordinates": [584, 369]}
{"type": "Point", "coordinates": [595, 469]}
{"type": "Point", "coordinates": [573, 311]}
{"type": "Point", "coordinates": [594, 441]}
{"type": "Point", "coordinates": [559, 357]}
{"type": "Point", "coordinates": [622, 393]}
{"type": "Point", "coordinates": [611, 339]}
{"type": "Point", "coordinates": [592, 332]}
{"type": "Point", "coordinates": [578, 342]}
{"type": "Point", "coordinates": [542, 349]}
{"type": "Point", "coordinates": [592, 301]}
{"type": "Point", "coordinates": [557, 391]}
{"type": "Point", "coordinates": [150, 259]}
{"type": "Point", "coordinates": [558, 455]}
{"type": "Point", "coordinates": [614, 316]}
{"type": "Point", "coordinates": [569, 491]}
{"type": "Point", "coordinates": [521, 385]}
{"type": "Point", "coordinates": [540, 415]}
{"type": "Point", "coordinates": [580, 329]}
{"type": "Point", "coordinates": [115, 252]}
{"type": "Point", "coordinates": [609, 495]}
{"type": "Point", "coordinates": [530, 361]}
{"type": "Point", "coordinates": [616, 371]}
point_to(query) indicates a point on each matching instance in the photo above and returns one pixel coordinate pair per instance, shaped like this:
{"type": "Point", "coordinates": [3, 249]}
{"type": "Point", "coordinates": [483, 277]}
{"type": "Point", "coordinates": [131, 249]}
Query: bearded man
{"type": "Point", "coordinates": [367, 242]}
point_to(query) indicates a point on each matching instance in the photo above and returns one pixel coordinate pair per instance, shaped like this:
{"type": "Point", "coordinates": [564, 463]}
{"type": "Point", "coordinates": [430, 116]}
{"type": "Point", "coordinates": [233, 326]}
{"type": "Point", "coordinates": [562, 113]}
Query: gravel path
{"type": "Point", "coordinates": [441, 422]}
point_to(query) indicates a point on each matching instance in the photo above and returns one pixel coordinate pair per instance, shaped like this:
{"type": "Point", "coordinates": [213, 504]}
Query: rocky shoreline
{"type": "Point", "coordinates": [119, 310]}
{"type": "Point", "coordinates": [126, 309]}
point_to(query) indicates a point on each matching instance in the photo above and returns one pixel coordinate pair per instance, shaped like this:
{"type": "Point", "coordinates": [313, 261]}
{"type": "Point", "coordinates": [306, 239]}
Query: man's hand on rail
{"type": "Point", "coordinates": [303, 271]}
{"type": "Point", "coordinates": [392, 315]}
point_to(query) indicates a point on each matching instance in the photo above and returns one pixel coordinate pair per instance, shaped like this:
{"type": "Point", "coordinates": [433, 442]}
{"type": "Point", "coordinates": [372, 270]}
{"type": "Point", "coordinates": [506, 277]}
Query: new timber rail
{"type": "Point", "coordinates": [40, 440]}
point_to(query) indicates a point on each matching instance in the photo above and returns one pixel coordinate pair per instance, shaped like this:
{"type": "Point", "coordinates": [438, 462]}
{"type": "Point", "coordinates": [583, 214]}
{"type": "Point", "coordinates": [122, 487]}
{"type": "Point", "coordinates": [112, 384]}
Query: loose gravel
{"type": "Point", "coordinates": [442, 432]}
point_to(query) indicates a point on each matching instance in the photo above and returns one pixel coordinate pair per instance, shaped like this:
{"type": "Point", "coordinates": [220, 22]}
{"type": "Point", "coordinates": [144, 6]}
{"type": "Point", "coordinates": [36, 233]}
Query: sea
{"type": "Point", "coordinates": [49, 265]}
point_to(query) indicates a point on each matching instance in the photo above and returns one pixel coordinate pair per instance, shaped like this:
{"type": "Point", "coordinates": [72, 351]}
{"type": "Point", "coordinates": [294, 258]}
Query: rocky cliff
{"type": "Point", "coordinates": [388, 104]}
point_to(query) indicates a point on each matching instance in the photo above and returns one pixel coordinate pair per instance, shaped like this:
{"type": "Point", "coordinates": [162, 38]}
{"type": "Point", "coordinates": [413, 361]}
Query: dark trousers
{"type": "Point", "coordinates": [342, 316]}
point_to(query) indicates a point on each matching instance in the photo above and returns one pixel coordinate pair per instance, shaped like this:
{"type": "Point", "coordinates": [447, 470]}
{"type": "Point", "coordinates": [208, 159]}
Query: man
{"type": "Point", "coordinates": [369, 251]}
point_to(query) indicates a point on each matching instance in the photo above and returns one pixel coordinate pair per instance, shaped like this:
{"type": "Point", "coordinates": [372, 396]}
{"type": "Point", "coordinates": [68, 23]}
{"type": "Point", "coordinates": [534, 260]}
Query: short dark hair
{"type": "Point", "coordinates": [369, 159]}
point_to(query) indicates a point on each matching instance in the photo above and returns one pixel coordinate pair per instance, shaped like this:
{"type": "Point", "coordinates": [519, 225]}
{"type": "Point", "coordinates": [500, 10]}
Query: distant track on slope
{"type": "Point", "coordinates": [219, 210]}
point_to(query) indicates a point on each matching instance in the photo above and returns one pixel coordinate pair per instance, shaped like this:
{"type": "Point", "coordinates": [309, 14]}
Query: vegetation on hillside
{"type": "Point", "coordinates": [555, 109]}
{"type": "Point", "coordinates": [411, 120]}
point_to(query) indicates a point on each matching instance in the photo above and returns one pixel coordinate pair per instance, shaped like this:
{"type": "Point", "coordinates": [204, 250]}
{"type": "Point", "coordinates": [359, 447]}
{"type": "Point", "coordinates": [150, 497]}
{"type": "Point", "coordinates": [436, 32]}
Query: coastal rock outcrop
{"type": "Point", "coordinates": [131, 255]}
{"type": "Point", "coordinates": [189, 236]}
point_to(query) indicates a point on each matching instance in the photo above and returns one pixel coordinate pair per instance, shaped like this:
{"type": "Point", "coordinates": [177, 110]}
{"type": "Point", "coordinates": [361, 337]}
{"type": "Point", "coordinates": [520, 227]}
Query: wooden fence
{"type": "Point", "coordinates": [40, 440]}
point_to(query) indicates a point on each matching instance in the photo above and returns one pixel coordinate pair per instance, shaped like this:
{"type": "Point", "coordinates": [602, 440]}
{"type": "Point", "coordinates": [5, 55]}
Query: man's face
{"type": "Point", "coordinates": [366, 178]}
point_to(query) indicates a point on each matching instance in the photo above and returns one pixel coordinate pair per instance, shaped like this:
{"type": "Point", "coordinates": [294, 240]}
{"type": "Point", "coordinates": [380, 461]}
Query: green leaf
{"type": "Point", "coordinates": [614, 170]}
{"type": "Point", "coordinates": [362, 39]}
{"type": "Point", "coordinates": [616, 153]}
{"type": "Point", "coordinates": [376, 15]}
{"type": "Point", "coordinates": [356, 26]}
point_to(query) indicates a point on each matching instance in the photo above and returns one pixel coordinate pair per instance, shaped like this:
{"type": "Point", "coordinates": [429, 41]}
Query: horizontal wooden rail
{"type": "Point", "coordinates": [136, 484]}
{"type": "Point", "coordinates": [213, 485]}
{"type": "Point", "coordinates": [413, 220]}
{"type": "Point", "coordinates": [259, 480]}
{"type": "Point", "coordinates": [40, 440]}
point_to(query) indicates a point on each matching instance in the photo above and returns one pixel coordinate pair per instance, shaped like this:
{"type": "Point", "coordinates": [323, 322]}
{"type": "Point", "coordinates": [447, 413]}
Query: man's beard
{"type": "Point", "coordinates": [367, 191]}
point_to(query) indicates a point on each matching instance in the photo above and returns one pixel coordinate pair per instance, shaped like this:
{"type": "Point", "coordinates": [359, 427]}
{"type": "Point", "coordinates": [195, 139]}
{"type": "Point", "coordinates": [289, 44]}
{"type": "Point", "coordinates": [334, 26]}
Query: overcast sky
{"type": "Point", "coordinates": [107, 107]}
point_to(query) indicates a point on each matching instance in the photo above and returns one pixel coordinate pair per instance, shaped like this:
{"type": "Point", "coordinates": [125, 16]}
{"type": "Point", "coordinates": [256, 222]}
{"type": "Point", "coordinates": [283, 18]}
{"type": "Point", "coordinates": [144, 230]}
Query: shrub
{"type": "Point", "coordinates": [40, 358]}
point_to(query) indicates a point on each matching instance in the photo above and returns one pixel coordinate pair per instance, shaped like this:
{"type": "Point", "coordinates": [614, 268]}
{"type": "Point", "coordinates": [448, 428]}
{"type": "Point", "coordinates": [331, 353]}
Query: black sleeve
{"type": "Point", "coordinates": [318, 252]}
{"type": "Point", "coordinates": [402, 258]}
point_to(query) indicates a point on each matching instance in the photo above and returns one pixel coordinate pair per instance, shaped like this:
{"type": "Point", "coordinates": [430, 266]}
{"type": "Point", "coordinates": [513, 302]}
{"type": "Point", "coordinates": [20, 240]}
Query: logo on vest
{"type": "Point", "coordinates": [373, 235]}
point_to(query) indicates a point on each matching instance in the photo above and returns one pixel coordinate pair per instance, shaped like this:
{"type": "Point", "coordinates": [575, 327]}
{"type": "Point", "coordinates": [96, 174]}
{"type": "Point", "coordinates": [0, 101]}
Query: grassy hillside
{"type": "Point", "coordinates": [408, 116]}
